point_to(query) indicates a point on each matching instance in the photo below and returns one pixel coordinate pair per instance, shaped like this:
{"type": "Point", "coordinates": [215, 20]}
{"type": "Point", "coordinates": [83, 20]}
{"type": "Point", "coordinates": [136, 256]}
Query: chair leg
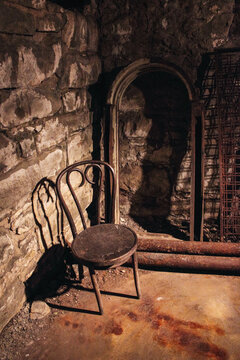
{"type": "Point", "coordinates": [136, 276]}
{"type": "Point", "coordinates": [96, 289]}
{"type": "Point", "coordinates": [80, 272]}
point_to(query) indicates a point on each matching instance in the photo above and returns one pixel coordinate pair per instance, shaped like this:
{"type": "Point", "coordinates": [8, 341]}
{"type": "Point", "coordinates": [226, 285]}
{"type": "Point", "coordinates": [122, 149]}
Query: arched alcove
{"type": "Point", "coordinates": [153, 72]}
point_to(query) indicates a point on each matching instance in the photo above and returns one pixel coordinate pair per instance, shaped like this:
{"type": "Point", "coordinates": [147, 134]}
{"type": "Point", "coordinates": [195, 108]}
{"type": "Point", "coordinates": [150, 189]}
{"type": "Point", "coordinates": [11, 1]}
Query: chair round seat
{"type": "Point", "coordinates": [105, 245]}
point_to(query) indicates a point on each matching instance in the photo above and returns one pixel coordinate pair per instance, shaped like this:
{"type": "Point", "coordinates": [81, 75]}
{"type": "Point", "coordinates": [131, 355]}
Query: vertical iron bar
{"type": "Point", "coordinates": [202, 171]}
{"type": "Point", "coordinates": [218, 104]}
{"type": "Point", "coordinates": [193, 177]}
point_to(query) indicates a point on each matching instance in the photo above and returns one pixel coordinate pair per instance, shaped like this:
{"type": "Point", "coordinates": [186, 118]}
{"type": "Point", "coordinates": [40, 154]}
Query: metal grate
{"type": "Point", "coordinates": [228, 109]}
{"type": "Point", "coordinates": [211, 158]}
{"type": "Point", "coordinates": [221, 95]}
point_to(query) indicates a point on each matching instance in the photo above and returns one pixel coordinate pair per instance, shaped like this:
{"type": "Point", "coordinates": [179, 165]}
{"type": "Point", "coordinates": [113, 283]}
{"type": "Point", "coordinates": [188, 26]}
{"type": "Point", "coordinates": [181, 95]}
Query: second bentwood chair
{"type": "Point", "coordinates": [98, 242]}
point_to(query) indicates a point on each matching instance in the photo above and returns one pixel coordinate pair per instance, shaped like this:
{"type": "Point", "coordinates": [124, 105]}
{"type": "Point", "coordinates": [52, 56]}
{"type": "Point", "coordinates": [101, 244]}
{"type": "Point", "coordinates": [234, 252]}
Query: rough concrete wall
{"type": "Point", "coordinates": [48, 58]}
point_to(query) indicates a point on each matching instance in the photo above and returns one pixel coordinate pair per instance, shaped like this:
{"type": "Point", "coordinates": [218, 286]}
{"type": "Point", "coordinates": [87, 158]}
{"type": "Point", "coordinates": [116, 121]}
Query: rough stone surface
{"type": "Point", "coordinates": [7, 250]}
{"type": "Point", "coordinates": [44, 48]}
{"type": "Point", "coordinates": [11, 15]}
{"type": "Point", "coordinates": [79, 71]}
{"type": "Point", "coordinates": [6, 67]}
{"type": "Point", "coordinates": [35, 4]}
{"type": "Point", "coordinates": [39, 310]}
{"type": "Point", "coordinates": [81, 33]}
{"type": "Point", "coordinates": [154, 125]}
{"type": "Point", "coordinates": [30, 72]}
{"type": "Point", "coordinates": [47, 213]}
{"type": "Point", "coordinates": [79, 39]}
{"type": "Point", "coordinates": [23, 106]}
{"type": "Point", "coordinates": [19, 254]}
{"type": "Point", "coordinates": [76, 122]}
{"type": "Point", "coordinates": [180, 34]}
{"type": "Point", "coordinates": [24, 137]}
{"type": "Point", "coordinates": [174, 31]}
{"type": "Point", "coordinates": [75, 100]}
{"type": "Point", "coordinates": [78, 146]}
{"type": "Point", "coordinates": [52, 163]}
{"type": "Point", "coordinates": [23, 61]}
{"type": "Point", "coordinates": [37, 135]}
{"type": "Point", "coordinates": [22, 220]}
{"type": "Point", "coordinates": [68, 30]}
{"type": "Point", "coordinates": [8, 304]}
{"type": "Point", "coordinates": [51, 134]}
{"type": "Point", "coordinates": [16, 185]}
{"type": "Point", "coordinates": [132, 179]}
{"type": "Point", "coordinates": [50, 22]}
{"type": "Point", "coordinates": [8, 154]}
{"type": "Point", "coordinates": [92, 35]}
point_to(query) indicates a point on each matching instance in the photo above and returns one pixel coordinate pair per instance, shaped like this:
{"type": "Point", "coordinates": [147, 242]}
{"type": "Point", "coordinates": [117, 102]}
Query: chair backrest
{"type": "Point", "coordinates": [87, 189]}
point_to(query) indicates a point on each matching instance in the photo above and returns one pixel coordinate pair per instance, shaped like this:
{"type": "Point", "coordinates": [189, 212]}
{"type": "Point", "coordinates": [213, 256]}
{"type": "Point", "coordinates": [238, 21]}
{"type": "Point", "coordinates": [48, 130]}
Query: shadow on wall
{"type": "Point", "coordinates": [47, 212]}
{"type": "Point", "coordinates": [52, 269]}
{"type": "Point", "coordinates": [153, 143]}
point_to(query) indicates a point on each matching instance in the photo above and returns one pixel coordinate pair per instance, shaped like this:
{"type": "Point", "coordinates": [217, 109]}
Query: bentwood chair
{"type": "Point", "coordinates": [97, 243]}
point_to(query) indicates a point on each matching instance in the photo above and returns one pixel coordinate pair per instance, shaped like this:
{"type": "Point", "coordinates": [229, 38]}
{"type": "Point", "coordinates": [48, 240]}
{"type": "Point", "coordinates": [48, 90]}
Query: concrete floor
{"type": "Point", "coordinates": [180, 316]}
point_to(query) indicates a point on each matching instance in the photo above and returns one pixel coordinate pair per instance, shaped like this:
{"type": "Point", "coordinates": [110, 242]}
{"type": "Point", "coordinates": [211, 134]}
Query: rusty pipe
{"type": "Point", "coordinates": [188, 247]}
{"type": "Point", "coordinates": [190, 262]}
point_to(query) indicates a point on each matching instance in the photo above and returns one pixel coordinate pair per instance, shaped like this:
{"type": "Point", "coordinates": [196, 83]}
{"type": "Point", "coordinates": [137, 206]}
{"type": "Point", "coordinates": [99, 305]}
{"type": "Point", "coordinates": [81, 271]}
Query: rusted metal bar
{"type": "Point", "coordinates": [228, 112]}
{"type": "Point", "coordinates": [220, 92]}
{"type": "Point", "coordinates": [218, 59]}
{"type": "Point", "coordinates": [189, 247]}
{"type": "Point", "coordinates": [193, 171]}
{"type": "Point", "coordinates": [202, 172]}
{"type": "Point", "coordinates": [190, 262]}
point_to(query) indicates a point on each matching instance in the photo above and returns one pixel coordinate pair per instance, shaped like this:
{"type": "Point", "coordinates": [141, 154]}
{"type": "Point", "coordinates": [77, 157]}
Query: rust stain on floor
{"type": "Point", "coordinates": [184, 335]}
{"type": "Point", "coordinates": [155, 327]}
{"type": "Point", "coordinates": [162, 328]}
{"type": "Point", "coordinates": [170, 331]}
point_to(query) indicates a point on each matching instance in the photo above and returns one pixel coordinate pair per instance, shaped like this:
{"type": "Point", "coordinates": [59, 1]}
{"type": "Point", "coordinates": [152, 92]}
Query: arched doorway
{"type": "Point", "coordinates": [144, 75]}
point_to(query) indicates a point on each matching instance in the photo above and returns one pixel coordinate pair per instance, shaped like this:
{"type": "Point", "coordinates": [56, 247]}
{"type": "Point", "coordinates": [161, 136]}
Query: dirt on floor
{"type": "Point", "coordinates": [23, 332]}
{"type": "Point", "coordinates": [180, 316]}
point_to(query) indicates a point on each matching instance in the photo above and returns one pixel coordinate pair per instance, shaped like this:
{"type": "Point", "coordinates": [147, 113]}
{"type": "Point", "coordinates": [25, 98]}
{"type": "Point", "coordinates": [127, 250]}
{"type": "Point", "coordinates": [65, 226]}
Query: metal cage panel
{"type": "Point", "coordinates": [221, 96]}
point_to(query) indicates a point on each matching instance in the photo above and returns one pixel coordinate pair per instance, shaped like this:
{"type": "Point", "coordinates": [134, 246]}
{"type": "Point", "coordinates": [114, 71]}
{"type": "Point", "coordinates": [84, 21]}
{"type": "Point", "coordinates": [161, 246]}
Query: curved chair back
{"type": "Point", "coordinates": [96, 177]}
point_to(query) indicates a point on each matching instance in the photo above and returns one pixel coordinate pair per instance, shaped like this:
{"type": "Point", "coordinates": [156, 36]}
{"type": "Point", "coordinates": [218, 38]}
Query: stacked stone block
{"type": "Point", "coordinates": [48, 59]}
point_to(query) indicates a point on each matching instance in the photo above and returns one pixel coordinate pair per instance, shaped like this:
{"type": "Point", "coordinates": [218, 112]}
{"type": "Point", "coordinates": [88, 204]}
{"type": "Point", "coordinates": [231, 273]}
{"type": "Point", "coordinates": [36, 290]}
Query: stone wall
{"type": "Point", "coordinates": [154, 123]}
{"type": "Point", "coordinates": [179, 32]}
{"type": "Point", "coordinates": [48, 58]}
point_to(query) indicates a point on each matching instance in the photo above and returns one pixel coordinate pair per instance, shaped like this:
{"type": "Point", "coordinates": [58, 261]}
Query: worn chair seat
{"type": "Point", "coordinates": [114, 244]}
